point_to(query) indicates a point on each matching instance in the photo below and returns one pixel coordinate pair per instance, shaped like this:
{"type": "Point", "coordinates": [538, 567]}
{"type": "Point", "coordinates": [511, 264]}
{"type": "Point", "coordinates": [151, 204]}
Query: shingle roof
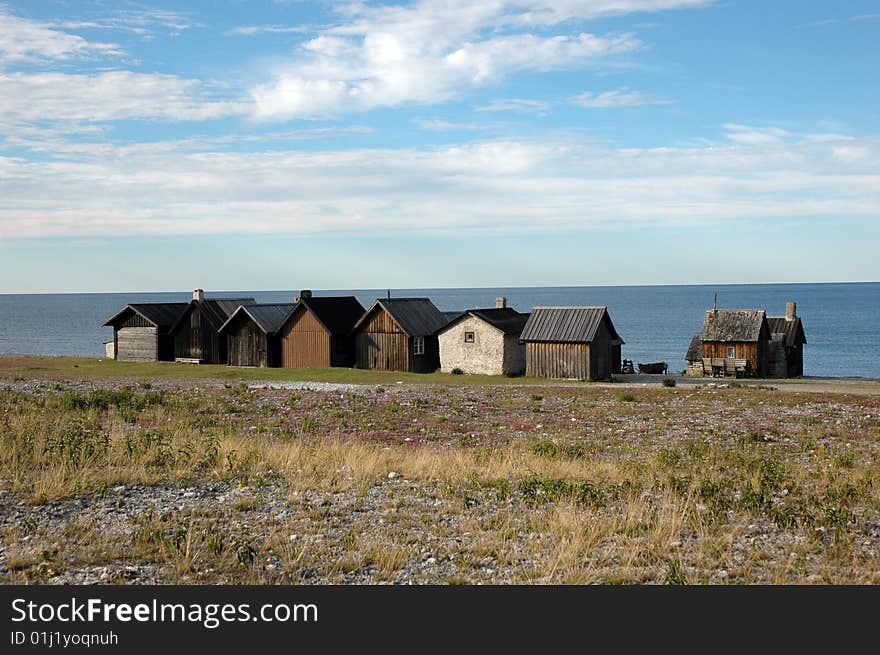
{"type": "Point", "coordinates": [506, 319]}
{"type": "Point", "coordinates": [160, 314]}
{"type": "Point", "coordinates": [743, 325]}
{"type": "Point", "coordinates": [695, 349]}
{"type": "Point", "coordinates": [418, 317]}
{"type": "Point", "coordinates": [793, 330]}
{"type": "Point", "coordinates": [567, 324]}
{"type": "Point", "coordinates": [268, 317]}
{"type": "Point", "coordinates": [216, 310]}
{"type": "Point", "coordinates": [336, 313]}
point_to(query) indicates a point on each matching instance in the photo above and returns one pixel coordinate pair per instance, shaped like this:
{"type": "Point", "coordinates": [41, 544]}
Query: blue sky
{"type": "Point", "coordinates": [272, 144]}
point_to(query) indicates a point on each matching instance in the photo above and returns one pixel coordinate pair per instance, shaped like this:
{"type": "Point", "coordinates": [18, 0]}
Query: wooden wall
{"type": "Point", "coordinates": [247, 345]}
{"type": "Point", "coordinates": [304, 343]}
{"type": "Point", "coordinates": [558, 360]}
{"type": "Point", "coordinates": [751, 351]}
{"type": "Point", "coordinates": [196, 339]}
{"type": "Point", "coordinates": [137, 344]}
{"type": "Point", "coordinates": [380, 344]}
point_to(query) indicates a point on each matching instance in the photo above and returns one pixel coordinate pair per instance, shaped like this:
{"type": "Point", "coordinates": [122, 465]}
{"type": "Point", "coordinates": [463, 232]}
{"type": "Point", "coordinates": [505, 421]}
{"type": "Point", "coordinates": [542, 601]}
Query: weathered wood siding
{"type": "Point", "coordinates": [247, 345]}
{"type": "Point", "coordinates": [304, 342]}
{"type": "Point", "coordinates": [380, 344]}
{"type": "Point", "coordinates": [558, 360]}
{"type": "Point", "coordinates": [754, 352]}
{"type": "Point", "coordinates": [196, 339]}
{"type": "Point", "coordinates": [601, 364]}
{"type": "Point", "coordinates": [137, 344]}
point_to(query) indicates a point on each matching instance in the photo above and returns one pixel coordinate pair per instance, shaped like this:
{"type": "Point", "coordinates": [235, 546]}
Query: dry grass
{"type": "Point", "coordinates": [570, 486]}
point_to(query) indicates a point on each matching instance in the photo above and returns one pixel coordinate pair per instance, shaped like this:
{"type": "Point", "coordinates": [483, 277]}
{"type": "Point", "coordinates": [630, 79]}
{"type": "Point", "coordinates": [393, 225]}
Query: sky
{"type": "Point", "coordinates": [260, 144]}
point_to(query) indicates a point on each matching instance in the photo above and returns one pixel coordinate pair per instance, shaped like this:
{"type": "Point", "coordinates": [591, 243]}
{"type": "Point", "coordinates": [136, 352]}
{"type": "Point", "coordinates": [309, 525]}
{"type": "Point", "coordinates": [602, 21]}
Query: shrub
{"type": "Point", "coordinates": [668, 382]}
{"type": "Point", "coordinates": [457, 371]}
{"type": "Point", "coordinates": [626, 398]}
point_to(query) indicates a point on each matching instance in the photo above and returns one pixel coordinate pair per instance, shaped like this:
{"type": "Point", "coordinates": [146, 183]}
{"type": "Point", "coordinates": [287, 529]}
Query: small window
{"type": "Point", "coordinates": [418, 345]}
{"type": "Point", "coordinates": [731, 352]}
{"type": "Point", "coordinates": [469, 337]}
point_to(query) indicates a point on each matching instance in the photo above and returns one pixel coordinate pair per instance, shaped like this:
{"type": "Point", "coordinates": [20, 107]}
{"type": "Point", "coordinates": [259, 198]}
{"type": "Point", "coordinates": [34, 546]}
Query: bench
{"type": "Point", "coordinates": [188, 360]}
{"type": "Point", "coordinates": [736, 367]}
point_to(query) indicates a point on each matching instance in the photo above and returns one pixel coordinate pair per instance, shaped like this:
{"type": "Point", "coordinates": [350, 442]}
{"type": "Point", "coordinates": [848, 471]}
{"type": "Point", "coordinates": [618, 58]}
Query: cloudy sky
{"type": "Point", "coordinates": [264, 144]}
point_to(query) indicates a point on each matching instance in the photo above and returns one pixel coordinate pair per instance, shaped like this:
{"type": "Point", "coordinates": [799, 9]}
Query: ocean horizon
{"type": "Point", "coordinates": [656, 322]}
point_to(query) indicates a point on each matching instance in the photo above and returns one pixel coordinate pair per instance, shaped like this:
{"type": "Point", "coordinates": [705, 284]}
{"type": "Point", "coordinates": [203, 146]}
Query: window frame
{"type": "Point", "coordinates": [470, 337]}
{"type": "Point", "coordinates": [731, 352]}
{"type": "Point", "coordinates": [418, 346]}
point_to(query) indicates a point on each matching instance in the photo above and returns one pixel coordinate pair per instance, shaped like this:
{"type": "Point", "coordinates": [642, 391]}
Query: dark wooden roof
{"type": "Point", "coordinates": [418, 317]}
{"type": "Point", "coordinates": [267, 317]}
{"type": "Point", "coordinates": [216, 310]}
{"type": "Point", "coordinates": [506, 319]}
{"type": "Point", "coordinates": [793, 330]}
{"type": "Point", "coordinates": [160, 314]}
{"type": "Point", "coordinates": [567, 324]}
{"type": "Point", "coordinates": [735, 325]}
{"type": "Point", "coordinates": [338, 314]}
{"type": "Point", "coordinates": [695, 349]}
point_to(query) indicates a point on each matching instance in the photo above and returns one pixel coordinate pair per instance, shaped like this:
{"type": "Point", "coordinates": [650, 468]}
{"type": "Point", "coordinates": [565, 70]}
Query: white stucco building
{"type": "Point", "coordinates": [484, 341]}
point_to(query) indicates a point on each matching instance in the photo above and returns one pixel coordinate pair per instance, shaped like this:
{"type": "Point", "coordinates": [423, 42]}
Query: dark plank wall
{"type": "Point", "coordinates": [558, 360]}
{"type": "Point", "coordinates": [247, 345]}
{"type": "Point", "coordinates": [304, 343]}
{"type": "Point", "coordinates": [380, 344]}
{"type": "Point", "coordinates": [195, 338]}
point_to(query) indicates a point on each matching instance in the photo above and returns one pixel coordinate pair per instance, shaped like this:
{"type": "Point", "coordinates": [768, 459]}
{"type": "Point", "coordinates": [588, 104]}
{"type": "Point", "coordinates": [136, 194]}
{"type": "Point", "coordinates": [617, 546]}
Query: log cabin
{"type": "Point", "coordinates": [142, 331]}
{"type": "Point", "coordinates": [317, 333]}
{"type": "Point", "coordinates": [252, 334]}
{"type": "Point", "coordinates": [736, 340]}
{"type": "Point", "coordinates": [578, 343]}
{"type": "Point", "coordinates": [399, 334]}
{"type": "Point", "coordinates": [196, 333]}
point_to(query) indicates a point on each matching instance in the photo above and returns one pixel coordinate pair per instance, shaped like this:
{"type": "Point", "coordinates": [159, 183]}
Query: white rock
{"type": "Point", "coordinates": [394, 475]}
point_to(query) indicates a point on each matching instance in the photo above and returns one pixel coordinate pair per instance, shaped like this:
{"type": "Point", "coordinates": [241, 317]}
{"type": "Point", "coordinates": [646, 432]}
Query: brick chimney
{"type": "Point", "coordinates": [790, 311]}
{"type": "Point", "coordinates": [500, 302]}
{"type": "Point", "coordinates": [199, 294]}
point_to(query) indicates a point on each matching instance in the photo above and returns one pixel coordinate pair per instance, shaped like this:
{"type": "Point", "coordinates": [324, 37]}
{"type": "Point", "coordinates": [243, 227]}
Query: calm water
{"type": "Point", "coordinates": [841, 320]}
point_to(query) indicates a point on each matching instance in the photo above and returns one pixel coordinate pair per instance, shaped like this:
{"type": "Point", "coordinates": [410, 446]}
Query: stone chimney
{"type": "Point", "coordinates": [790, 311]}
{"type": "Point", "coordinates": [199, 295]}
{"type": "Point", "coordinates": [500, 302]}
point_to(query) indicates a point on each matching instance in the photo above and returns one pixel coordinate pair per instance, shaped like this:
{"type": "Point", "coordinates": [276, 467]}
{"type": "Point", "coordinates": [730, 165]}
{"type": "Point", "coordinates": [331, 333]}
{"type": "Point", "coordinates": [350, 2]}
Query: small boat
{"type": "Point", "coordinates": [653, 368]}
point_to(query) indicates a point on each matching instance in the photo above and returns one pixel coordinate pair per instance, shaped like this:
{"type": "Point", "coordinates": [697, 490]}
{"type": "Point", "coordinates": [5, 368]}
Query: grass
{"type": "Point", "coordinates": [685, 486]}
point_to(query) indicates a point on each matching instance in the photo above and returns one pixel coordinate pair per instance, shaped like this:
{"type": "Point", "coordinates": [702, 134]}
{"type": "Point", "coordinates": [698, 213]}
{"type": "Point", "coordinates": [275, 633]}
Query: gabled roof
{"type": "Point", "coordinates": [160, 314]}
{"type": "Point", "coordinates": [506, 319]}
{"type": "Point", "coordinates": [338, 314]}
{"type": "Point", "coordinates": [743, 325]}
{"type": "Point", "coordinates": [568, 324]}
{"type": "Point", "coordinates": [268, 317]}
{"type": "Point", "coordinates": [695, 349]}
{"type": "Point", "coordinates": [418, 317]}
{"type": "Point", "coordinates": [216, 310]}
{"type": "Point", "coordinates": [793, 330]}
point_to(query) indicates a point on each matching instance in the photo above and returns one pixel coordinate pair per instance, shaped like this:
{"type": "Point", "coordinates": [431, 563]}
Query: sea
{"type": "Point", "coordinates": [841, 320]}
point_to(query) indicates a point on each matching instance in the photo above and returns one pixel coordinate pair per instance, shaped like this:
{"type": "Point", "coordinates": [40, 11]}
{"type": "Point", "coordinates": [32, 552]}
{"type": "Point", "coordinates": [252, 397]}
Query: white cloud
{"type": "Point", "coordinates": [254, 30]}
{"type": "Point", "coordinates": [439, 125]}
{"type": "Point", "coordinates": [515, 104]}
{"type": "Point", "coordinates": [144, 22]}
{"type": "Point", "coordinates": [428, 52]}
{"type": "Point", "coordinates": [22, 39]}
{"type": "Point", "coordinates": [622, 97]}
{"type": "Point", "coordinates": [106, 96]}
{"type": "Point", "coordinates": [498, 186]}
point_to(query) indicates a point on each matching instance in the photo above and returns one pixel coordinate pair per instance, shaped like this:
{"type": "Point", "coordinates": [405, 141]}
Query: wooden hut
{"type": "Point", "coordinates": [735, 341]}
{"type": "Point", "coordinates": [252, 334]}
{"type": "Point", "coordinates": [399, 334]}
{"type": "Point", "coordinates": [484, 341]}
{"type": "Point", "coordinates": [571, 342]}
{"type": "Point", "coordinates": [142, 331]}
{"type": "Point", "coordinates": [786, 348]}
{"type": "Point", "coordinates": [317, 333]}
{"type": "Point", "coordinates": [196, 333]}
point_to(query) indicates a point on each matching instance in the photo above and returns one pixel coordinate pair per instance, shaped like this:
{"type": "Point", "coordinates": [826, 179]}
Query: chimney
{"type": "Point", "coordinates": [500, 302]}
{"type": "Point", "coordinates": [389, 294]}
{"type": "Point", "coordinates": [199, 295]}
{"type": "Point", "coordinates": [790, 311]}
